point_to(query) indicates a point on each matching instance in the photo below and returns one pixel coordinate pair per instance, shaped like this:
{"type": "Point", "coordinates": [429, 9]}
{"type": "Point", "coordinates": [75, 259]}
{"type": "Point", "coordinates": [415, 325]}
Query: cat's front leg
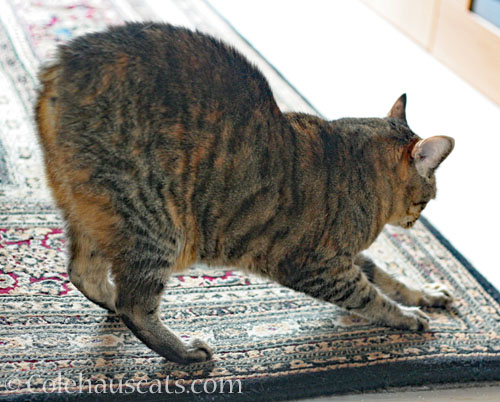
{"type": "Point", "coordinates": [429, 295]}
{"type": "Point", "coordinates": [340, 281]}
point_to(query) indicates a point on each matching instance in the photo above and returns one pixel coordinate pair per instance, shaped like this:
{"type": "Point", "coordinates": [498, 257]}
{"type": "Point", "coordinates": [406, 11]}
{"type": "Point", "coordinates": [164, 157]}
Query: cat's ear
{"type": "Point", "coordinates": [398, 110]}
{"type": "Point", "coordinates": [429, 153]}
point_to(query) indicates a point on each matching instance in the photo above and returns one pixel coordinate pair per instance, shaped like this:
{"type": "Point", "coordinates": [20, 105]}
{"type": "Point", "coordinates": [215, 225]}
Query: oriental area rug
{"type": "Point", "coordinates": [270, 343]}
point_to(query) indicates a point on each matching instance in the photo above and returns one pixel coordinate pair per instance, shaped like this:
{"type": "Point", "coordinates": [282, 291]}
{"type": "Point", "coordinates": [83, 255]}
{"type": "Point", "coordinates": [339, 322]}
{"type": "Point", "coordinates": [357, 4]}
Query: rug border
{"type": "Point", "coordinates": [377, 378]}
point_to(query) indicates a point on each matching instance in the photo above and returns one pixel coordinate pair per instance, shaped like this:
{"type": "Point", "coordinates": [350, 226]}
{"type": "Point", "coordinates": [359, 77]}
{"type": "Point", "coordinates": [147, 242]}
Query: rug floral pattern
{"type": "Point", "coordinates": [259, 330]}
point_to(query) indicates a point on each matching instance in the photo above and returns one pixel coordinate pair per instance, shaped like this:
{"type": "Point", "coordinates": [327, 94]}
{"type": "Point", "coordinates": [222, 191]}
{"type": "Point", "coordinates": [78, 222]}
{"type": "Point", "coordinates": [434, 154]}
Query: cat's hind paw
{"type": "Point", "coordinates": [198, 351]}
{"type": "Point", "coordinates": [435, 295]}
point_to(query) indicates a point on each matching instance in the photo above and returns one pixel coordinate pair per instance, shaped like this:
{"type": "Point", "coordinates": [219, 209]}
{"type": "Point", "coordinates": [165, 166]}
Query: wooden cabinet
{"type": "Point", "coordinates": [454, 34]}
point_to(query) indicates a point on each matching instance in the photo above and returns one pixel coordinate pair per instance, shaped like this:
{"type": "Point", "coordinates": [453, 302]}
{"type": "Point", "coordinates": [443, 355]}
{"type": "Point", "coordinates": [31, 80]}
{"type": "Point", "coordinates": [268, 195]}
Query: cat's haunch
{"type": "Point", "coordinates": [165, 147]}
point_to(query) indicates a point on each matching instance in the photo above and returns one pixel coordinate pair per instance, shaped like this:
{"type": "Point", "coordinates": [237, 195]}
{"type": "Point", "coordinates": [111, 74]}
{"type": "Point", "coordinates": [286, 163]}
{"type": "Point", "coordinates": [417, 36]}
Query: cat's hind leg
{"type": "Point", "coordinates": [429, 295]}
{"type": "Point", "coordinates": [140, 283]}
{"type": "Point", "coordinates": [89, 270]}
{"type": "Point", "coordinates": [140, 264]}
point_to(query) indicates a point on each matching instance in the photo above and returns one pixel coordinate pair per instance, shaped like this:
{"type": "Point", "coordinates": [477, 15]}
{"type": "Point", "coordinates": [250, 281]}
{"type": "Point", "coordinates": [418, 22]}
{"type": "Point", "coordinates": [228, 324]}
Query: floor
{"type": "Point", "coordinates": [347, 61]}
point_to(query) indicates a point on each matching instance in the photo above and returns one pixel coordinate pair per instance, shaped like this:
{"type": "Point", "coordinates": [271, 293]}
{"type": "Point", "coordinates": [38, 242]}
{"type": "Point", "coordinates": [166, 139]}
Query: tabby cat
{"type": "Point", "coordinates": [165, 148]}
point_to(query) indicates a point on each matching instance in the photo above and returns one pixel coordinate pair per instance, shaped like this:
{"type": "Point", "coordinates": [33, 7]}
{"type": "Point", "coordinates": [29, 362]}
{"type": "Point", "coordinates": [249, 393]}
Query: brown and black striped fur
{"type": "Point", "coordinates": [165, 147]}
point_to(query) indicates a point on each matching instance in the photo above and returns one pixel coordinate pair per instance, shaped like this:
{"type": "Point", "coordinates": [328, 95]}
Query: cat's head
{"type": "Point", "coordinates": [418, 162]}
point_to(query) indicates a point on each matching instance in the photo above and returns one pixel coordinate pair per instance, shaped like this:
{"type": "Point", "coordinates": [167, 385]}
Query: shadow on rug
{"type": "Point", "coordinates": [269, 342]}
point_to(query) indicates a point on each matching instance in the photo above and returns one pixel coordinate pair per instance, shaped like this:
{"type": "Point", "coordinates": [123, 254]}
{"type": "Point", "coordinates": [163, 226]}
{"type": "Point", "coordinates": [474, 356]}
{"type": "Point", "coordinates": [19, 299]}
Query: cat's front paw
{"type": "Point", "coordinates": [409, 318]}
{"type": "Point", "coordinates": [435, 295]}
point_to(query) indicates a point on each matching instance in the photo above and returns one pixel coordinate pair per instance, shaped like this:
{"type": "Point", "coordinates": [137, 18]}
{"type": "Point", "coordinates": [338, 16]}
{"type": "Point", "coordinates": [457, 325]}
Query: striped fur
{"type": "Point", "coordinates": [165, 147]}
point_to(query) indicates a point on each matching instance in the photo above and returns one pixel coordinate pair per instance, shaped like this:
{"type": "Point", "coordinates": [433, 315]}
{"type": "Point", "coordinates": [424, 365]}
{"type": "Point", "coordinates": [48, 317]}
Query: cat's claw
{"type": "Point", "coordinates": [435, 295]}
